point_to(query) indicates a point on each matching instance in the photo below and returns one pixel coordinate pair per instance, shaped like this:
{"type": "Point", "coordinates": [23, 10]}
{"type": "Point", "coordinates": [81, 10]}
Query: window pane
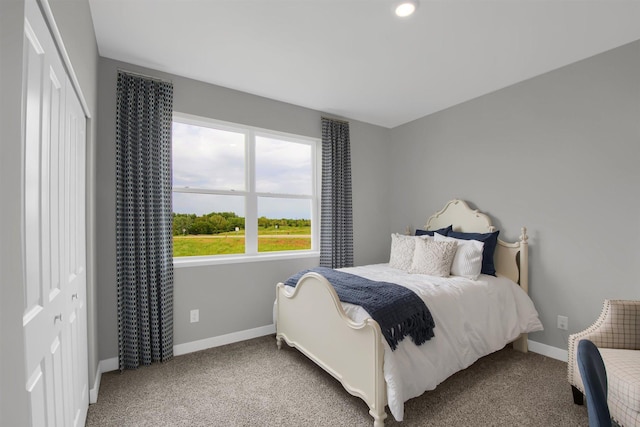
{"type": "Point", "coordinates": [283, 167]}
{"type": "Point", "coordinates": [205, 224]}
{"type": "Point", "coordinates": [208, 158]}
{"type": "Point", "coordinates": [283, 224]}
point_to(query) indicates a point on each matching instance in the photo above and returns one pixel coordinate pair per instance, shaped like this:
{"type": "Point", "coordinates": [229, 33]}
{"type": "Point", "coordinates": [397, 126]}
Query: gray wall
{"type": "Point", "coordinates": [13, 398]}
{"type": "Point", "coordinates": [558, 153]}
{"type": "Point", "coordinates": [233, 297]}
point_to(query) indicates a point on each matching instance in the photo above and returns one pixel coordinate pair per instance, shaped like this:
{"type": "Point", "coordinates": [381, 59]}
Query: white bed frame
{"type": "Point", "coordinates": [312, 320]}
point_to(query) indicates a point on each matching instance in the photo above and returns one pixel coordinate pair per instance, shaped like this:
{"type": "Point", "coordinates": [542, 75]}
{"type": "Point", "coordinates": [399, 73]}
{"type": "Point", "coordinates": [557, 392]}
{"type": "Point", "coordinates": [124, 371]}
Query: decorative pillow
{"type": "Point", "coordinates": [444, 231]}
{"type": "Point", "coordinates": [433, 258]}
{"type": "Point", "coordinates": [490, 241]}
{"type": "Point", "coordinates": [468, 260]}
{"type": "Point", "coordinates": [402, 248]}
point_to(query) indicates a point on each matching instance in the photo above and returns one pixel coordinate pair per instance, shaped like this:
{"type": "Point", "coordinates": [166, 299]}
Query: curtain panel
{"type": "Point", "coordinates": [336, 226]}
{"type": "Point", "coordinates": [144, 247]}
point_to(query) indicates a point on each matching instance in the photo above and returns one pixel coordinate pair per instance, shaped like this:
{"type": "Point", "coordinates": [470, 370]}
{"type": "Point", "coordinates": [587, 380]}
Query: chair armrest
{"type": "Point", "coordinates": [617, 327]}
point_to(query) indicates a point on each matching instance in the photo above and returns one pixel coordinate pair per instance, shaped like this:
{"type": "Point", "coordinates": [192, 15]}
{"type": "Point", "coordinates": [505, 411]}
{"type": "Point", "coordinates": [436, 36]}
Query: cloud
{"type": "Point", "coordinates": [213, 159]}
{"type": "Point", "coordinates": [283, 167]}
{"type": "Point", "coordinates": [208, 158]}
{"type": "Point", "coordinates": [201, 204]}
{"type": "Point", "coordinates": [276, 208]}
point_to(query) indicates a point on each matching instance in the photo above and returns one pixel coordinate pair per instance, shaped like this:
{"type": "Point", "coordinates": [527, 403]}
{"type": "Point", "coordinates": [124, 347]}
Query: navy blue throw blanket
{"type": "Point", "coordinates": [398, 310]}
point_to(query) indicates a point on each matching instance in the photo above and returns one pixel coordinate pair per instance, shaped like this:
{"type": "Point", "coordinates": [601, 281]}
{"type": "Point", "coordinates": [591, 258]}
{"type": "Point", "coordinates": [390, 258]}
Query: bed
{"type": "Point", "coordinates": [347, 343]}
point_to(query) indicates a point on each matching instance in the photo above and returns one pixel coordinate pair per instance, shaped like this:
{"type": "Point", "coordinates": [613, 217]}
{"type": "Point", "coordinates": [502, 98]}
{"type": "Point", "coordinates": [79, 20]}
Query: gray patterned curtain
{"type": "Point", "coordinates": [144, 248]}
{"type": "Point", "coordinates": [336, 228]}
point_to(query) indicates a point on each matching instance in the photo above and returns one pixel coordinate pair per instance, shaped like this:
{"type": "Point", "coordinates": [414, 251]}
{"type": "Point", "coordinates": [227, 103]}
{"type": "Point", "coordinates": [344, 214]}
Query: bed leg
{"type": "Point", "coordinates": [279, 342]}
{"type": "Point", "coordinates": [378, 419]}
{"type": "Point", "coordinates": [520, 344]}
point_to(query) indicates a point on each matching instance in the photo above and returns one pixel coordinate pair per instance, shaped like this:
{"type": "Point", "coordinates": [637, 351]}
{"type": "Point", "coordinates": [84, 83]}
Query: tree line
{"type": "Point", "coordinates": [222, 222]}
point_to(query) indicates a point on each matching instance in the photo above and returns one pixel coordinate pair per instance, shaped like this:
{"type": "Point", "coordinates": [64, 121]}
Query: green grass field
{"type": "Point", "coordinates": [269, 240]}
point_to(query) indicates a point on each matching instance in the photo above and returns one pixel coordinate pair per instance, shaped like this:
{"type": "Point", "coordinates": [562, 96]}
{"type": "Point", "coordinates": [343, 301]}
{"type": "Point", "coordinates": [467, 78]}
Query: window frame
{"type": "Point", "coordinates": [251, 196]}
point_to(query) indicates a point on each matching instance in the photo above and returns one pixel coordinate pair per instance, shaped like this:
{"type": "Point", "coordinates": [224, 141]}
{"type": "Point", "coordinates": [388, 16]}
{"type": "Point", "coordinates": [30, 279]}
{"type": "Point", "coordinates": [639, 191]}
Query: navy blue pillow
{"type": "Point", "coordinates": [443, 231]}
{"type": "Point", "coordinates": [490, 241]}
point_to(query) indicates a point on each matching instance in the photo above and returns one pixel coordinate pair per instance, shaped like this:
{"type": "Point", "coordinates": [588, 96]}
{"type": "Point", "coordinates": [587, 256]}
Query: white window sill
{"type": "Point", "coordinates": [198, 261]}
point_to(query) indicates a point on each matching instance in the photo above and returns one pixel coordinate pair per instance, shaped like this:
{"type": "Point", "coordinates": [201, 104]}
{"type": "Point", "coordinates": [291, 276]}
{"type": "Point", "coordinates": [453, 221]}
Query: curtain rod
{"type": "Point", "coordinates": [144, 75]}
{"type": "Point", "coordinates": [336, 120]}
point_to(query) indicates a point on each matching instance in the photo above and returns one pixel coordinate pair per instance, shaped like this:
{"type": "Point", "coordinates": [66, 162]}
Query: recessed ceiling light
{"type": "Point", "coordinates": [406, 8]}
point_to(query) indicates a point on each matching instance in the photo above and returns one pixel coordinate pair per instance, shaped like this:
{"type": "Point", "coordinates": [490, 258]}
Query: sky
{"type": "Point", "coordinates": [213, 159]}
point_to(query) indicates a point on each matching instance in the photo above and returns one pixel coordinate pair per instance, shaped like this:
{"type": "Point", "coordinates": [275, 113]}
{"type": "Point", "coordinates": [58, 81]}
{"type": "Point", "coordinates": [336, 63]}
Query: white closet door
{"type": "Point", "coordinates": [75, 273]}
{"type": "Point", "coordinates": [54, 225]}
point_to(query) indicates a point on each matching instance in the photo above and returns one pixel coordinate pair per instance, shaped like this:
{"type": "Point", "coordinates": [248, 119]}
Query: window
{"type": "Point", "coordinates": [240, 190]}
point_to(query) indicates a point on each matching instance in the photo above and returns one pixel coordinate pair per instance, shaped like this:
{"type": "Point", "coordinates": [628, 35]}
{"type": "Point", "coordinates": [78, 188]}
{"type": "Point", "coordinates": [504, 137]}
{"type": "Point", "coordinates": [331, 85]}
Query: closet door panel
{"type": "Point", "coordinates": [54, 318]}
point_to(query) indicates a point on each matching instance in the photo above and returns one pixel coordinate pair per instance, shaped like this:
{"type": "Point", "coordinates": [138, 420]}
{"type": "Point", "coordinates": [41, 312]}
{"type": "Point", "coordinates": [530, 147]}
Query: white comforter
{"type": "Point", "coordinates": [473, 319]}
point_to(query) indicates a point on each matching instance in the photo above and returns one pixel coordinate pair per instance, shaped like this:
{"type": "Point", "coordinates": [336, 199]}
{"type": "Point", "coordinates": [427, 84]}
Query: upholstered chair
{"type": "Point", "coordinates": [616, 333]}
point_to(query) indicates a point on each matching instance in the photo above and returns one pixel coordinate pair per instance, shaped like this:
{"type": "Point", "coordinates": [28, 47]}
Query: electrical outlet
{"type": "Point", "coordinates": [195, 316]}
{"type": "Point", "coordinates": [563, 322]}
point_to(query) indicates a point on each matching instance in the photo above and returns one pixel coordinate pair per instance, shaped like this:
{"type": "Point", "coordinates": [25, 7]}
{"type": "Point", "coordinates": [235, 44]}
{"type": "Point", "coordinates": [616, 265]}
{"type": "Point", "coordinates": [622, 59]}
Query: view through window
{"type": "Point", "coordinates": [241, 190]}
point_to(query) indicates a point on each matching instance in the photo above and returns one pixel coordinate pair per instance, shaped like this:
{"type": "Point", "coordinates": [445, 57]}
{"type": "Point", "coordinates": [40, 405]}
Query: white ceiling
{"type": "Point", "coordinates": [354, 58]}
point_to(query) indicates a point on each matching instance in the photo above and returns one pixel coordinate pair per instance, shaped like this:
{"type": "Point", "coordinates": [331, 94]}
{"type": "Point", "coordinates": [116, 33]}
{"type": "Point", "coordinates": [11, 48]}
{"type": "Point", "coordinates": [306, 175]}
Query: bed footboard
{"type": "Point", "coordinates": [312, 320]}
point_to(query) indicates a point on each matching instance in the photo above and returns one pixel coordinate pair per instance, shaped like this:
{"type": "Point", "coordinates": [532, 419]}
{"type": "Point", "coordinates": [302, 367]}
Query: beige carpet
{"type": "Point", "coordinates": [253, 384]}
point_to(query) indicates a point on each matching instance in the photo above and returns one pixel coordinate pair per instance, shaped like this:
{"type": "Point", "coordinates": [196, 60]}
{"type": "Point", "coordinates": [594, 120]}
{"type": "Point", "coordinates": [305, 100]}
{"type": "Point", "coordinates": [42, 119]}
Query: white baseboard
{"type": "Point", "coordinates": [111, 364]}
{"type": "Point", "coordinates": [206, 343]}
{"type": "Point", "coordinates": [547, 350]}
{"type": "Point", "coordinates": [93, 392]}
{"type": "Point", "coordinates": [106, 365]}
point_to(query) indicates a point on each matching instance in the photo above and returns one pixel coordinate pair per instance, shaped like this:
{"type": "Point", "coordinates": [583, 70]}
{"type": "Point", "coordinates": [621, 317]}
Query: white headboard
{"type": "Point", "coordinates": [510, 259]}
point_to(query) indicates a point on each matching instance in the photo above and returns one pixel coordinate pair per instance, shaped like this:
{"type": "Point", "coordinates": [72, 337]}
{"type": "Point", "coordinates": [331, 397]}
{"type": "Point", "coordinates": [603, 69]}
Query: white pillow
{"type": "Point", "coordinates": [468, 260]}
{"type": "Point", "coordinates": [402, 248]}
{"type": "Point", "coordinates": [433, 258]}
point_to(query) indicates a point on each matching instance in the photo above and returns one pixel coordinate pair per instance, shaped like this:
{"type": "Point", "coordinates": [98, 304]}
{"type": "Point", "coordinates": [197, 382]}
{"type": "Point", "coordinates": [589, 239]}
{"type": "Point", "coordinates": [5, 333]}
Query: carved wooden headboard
{"type": "Point", "coordinates": [510, 259]}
